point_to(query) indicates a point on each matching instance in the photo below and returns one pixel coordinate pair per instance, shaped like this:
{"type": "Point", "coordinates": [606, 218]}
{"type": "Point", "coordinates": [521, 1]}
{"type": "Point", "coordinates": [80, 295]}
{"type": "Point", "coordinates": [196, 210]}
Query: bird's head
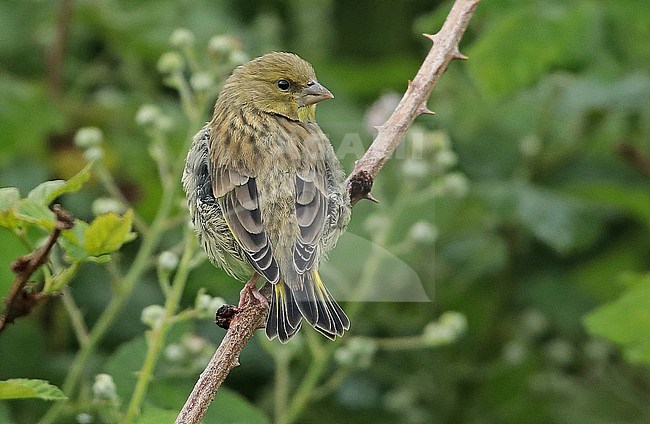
{"type": "Point", "coordinates": [279, 83]}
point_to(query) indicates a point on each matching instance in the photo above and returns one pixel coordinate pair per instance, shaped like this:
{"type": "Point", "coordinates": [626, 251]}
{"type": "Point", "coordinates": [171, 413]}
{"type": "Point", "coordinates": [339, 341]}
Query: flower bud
{"type": "Point", "coordinates": [94, 153]}
{"type": "Point", "coordinates": [167, 261]}
{"type": "Point", "coordinates": [88, 137]}
{"type": "Point", "coordinates": [182, 37]}
{"type": "Point", "coordinates": [152, 315]}
{"type": "Point", "coordinates": [423, 232]}
{"type": "Point", "coordinates": [455, 184]}
{"type": "Point", "coordinates": [201, 81]}
{"type": "Point", "coordinates": [222, 45]}
{"type": "Point", "coordinates": [170, 62]}
{"type": "Point", "coordinates": [104, 387]}
{"type": "Point", "coordinates": [147, 115]}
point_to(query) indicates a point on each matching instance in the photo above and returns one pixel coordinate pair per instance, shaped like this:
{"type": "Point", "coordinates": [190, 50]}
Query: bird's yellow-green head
{"type": "Point", "coordinates": [277, 83]}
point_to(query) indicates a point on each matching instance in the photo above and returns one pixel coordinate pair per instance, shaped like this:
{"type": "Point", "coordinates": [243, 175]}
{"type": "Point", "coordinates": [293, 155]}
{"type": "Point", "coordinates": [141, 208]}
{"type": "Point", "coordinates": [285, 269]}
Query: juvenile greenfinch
{"type": "Point", "coordinates": [266, 191]}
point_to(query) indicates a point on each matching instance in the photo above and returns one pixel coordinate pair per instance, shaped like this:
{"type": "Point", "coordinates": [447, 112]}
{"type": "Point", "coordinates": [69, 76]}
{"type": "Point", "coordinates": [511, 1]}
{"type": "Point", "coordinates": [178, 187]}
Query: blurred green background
{"type": "Point", "coordinates": [538, 200]}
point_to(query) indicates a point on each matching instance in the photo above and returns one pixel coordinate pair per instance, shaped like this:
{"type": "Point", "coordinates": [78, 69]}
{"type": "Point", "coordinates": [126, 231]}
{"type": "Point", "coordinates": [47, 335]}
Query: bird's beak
{"type": "Point", "coordinates": [313, 94]}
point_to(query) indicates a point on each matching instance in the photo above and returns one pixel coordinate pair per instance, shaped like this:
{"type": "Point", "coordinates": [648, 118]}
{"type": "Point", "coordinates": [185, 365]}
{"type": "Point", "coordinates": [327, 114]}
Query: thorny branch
{"type": "Point", "coordinates": [390, 135]}
{"type": "Point", "coordinates": [21, 300]}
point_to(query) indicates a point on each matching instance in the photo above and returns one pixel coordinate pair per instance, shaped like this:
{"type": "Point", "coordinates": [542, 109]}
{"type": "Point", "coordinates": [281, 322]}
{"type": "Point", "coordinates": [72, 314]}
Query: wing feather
{"type": "Point", "coordinates": [239, 200]}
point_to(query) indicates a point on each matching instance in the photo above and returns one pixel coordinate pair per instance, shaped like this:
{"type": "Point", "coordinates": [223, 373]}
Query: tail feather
{"type": "Point", "coordinates": [310, 300]}
{"type": "Point", "coordinates": [284, 316]}
{"type": "Point", "coordinates": [319, 308]}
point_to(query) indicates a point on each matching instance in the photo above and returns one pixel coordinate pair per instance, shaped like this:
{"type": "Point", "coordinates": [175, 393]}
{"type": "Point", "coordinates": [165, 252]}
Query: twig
{"type": "Point", "coordinates": [359, 183]}
{"type": "Point", "coordinates": [242, 327]}
{"type": "Point", "coordinates": [20, 301]}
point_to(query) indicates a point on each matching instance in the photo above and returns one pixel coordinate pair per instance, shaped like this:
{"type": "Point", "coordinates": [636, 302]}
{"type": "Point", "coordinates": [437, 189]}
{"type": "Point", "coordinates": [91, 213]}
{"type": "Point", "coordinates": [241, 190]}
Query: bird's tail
{"type": "Point", "coordinates": [310, 300]}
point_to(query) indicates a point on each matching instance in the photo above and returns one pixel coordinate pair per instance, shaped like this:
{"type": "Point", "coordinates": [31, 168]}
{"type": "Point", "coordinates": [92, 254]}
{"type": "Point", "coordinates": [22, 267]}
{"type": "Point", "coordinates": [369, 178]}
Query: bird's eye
{"type": "Point", "coordinates": [283, 84]}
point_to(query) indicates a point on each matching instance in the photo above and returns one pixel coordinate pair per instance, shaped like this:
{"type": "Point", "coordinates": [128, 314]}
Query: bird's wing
{"type": "Point", "coordinates": [238, 198]}
{"type": "Point", "coordinates": [311, 213]}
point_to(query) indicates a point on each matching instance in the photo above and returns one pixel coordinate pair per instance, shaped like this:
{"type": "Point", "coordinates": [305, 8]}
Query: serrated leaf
{"type": "Point", "coordinates": [72, 241]}
{"type": "Point", "coordinates": [626, 321]}
{"type": "Point", "coordinates": [22, 388]}
{"type": "Point", "coordinates": [108, 232]}
{"type": "Point", "coordinates": [33, 212]}
{"type": "Point", "coordinates": [45, 193]}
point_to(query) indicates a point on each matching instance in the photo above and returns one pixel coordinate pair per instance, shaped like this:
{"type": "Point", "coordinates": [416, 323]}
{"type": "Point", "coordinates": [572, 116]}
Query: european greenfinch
{"type": "Point", "coordinates": [266, 191]}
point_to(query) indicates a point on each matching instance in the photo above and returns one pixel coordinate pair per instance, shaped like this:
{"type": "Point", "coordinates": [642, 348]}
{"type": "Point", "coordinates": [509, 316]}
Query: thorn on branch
{"type": "Point", "coordinates": [456, 54]}
{"type": "Point", "coordinates": [432, 37]}
{"type": "Point", "coordinates": [424, 110]}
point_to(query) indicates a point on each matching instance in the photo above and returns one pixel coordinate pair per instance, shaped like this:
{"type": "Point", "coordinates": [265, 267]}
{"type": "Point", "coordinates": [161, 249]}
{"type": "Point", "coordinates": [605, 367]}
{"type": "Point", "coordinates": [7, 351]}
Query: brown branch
{"type": "Point", "coordinates": [241, 328]}
{"type": "Point", "coordinates": [20, 300]}
{"type": "Point", "coordinates": [390, 135]}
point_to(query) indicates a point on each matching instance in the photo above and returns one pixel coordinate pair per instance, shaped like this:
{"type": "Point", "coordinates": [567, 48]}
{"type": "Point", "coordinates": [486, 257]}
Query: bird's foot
{"type": "Point", "coordinates": [250, 291]}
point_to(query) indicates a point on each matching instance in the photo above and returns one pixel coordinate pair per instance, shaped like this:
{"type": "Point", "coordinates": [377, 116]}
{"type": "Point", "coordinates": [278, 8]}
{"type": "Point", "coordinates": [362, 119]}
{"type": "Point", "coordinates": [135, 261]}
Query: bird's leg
{"type": "Point", "coordinates": [251, 288]}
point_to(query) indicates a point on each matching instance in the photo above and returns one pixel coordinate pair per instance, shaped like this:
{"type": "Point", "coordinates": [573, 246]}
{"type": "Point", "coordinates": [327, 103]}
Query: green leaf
{"type": "Point", "coordinates": [46, 192]}
{"type": "Point", "coordinates": [564, 223]}
{"type": "Point", "coordinates": [108, 232]}
{"type": "Point", "coordinates": [33, 212]}
{"type": "Point", "coordinates": [526, 43]}
{"type": "Point", "coordinates": [72, 241]}
{"type": "Point", "coordinates": [626, 321]}
{"type": "Point", "coordinates": [9, 196]}
{"type": "Point", "coordinates": [21, 388]}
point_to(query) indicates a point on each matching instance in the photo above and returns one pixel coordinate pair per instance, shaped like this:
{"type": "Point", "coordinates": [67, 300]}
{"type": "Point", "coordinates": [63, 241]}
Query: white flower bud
{"type": "Point", "coordinates": [88, 137]}
{"type": "Point", "coordinates": [152, 315]}
{"type": "Point", "coordinates": [423, 232]}
{"type": "Point", "coordinates": [448, 328]}
{"type": "Point", "coordinates": [94, 153]}
{"type": "Point", "coordinates": [358, 352]}
{"type": "Point", "coordinates": [222, 45]}
{"type": "Point", "coordinates": [194, 344]}
{"type": "Point", "coordinates": [415, 168]}
{"type": "Point", "coordinates": [455, 184]}
{"type": "Point", "coordinates": [174, 352]}
{"type": "Point", "coordinates": [201, 81]}
{"type": "Point", "coordinates": [182, 37]}
{"type": "Point", "coordinates": [514, 352]}
{"type": "Point", "coordinates": [84, 418]}
{"type": "Point", "coordinates": [203, 302]}
{"type": "Point", "coordinates": [446, 159]}
{"type": "Point", "coordinates": [168, 261]}
{"type": "Point", "coordinates": [170, 62]}
{"type": "Point", "coordinates": [237, 58]}
{"type": "Point", "coordinates": [147, 115]}
{"type": "Point", "coordinates": [104, 387]}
